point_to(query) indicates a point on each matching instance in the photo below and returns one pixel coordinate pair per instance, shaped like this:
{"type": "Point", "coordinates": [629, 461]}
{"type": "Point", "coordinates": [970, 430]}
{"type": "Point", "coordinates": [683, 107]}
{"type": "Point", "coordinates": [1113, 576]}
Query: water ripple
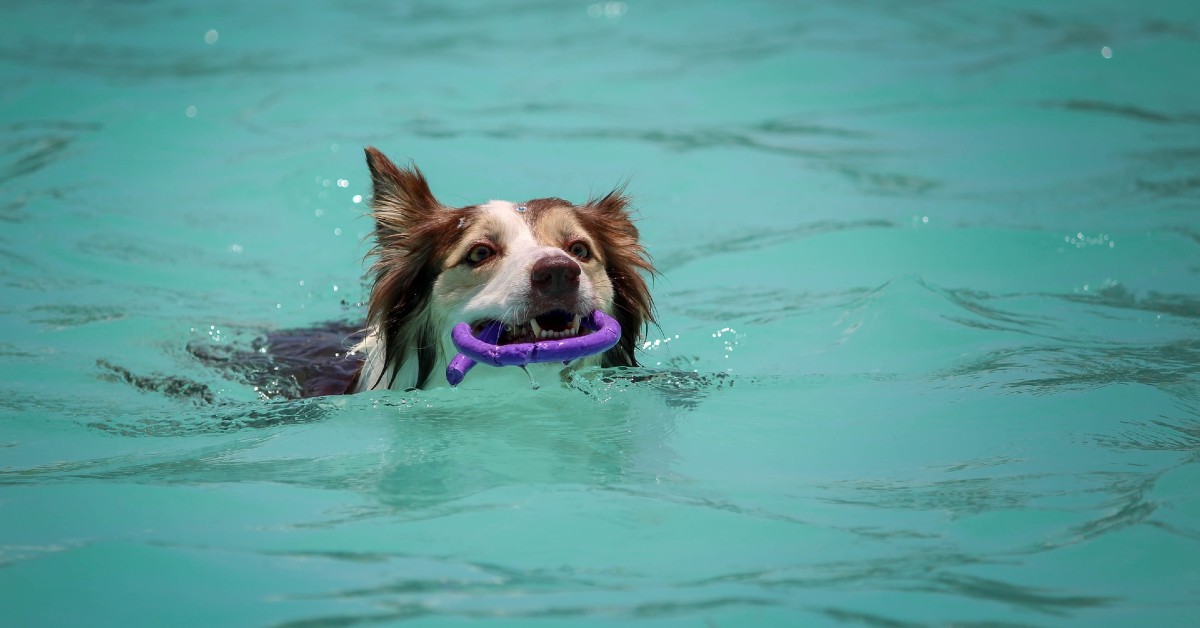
{"type": "Point", "coordinates": [747, 305]}
{"type": "Point", "coordinates": [1118, 297]}
{"type": "Point", "coordinates": [760, 238]}
{"type": "Point", "coordinates": [1158, 365]}
{"type": "Point", "coordinates": [1131, 112]}
{"type": "Point", "coordinates": [757, 137]}
{"type": "Point", "coordinates": [1085, 367]}
{"type": "Point", "coordinates": [962, 497]}
{"type": "Point", "coordinates": [1042, 600]}
{"type": "Point", "coordinates": [62, 316]}
{"type": "Point", "coordinates": [1166, 433]}
{"type": "Point", "coordinates": [125, 63]}
{"type": "Point", "coordinates": [228, 417]}
{"type": "Point", "coordinates": [776, 137]}
{"type": "Point", "coordinates": [1130, 507]}
{"type": "Point", "coordinates": [28, 148]}
{"type": "Point", "coordinates": [27, 157]}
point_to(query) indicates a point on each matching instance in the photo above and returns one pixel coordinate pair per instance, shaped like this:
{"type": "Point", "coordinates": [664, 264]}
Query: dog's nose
{"type": "Point", "coordinates": [555, 275]}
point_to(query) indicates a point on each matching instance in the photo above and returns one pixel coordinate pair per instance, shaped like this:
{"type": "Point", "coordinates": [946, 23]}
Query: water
{"type": "Point", "coordinates": [928, 315]}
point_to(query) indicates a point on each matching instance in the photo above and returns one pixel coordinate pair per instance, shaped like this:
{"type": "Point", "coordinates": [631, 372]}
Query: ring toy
{"type": "Point", "coordinates": [605, 332]}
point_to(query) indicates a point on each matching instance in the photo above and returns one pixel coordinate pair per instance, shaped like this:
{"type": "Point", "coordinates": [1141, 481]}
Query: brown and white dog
{"type": "Point", "coordinates": [537, 267]}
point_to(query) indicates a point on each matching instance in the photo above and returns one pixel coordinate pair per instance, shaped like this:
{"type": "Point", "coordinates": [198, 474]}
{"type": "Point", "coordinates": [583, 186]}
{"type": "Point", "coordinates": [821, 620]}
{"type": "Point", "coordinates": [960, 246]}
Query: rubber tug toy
{"type": "Point", "coordinates": [605, 332]}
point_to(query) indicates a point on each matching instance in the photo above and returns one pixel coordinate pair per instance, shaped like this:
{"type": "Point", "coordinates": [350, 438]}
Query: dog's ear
{"type": "Point", "coordinates": [608, 219]}
{"type": "Point", "coordinates": [412, 234]}
{"type": "Point", "coordinates": [400, 196]}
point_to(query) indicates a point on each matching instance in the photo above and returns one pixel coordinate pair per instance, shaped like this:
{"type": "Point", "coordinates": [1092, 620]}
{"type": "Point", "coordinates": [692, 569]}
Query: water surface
{"type": "Point", "coordinates": [929, 305]}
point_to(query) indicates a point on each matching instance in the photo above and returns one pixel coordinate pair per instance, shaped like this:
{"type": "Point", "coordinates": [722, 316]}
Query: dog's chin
{"type": "Point", "coordinates": [552, 324]}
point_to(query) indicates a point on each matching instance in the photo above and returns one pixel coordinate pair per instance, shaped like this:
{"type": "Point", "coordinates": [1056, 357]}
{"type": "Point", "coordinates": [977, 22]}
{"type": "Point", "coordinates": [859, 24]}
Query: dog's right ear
{"type": "Point", "coordinates": [400, 196]}
{"type": "Point", "coordinates": [412, 234]}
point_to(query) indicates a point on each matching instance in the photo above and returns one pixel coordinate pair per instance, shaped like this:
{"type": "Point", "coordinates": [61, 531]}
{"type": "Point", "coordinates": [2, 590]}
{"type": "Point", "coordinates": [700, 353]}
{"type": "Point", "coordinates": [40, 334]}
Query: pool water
{"type": "Point", "coordinates": [928, 342]}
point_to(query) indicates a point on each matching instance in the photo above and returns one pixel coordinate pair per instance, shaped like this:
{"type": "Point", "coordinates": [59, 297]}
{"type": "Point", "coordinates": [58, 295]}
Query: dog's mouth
{"type": "Point", "coordinates": [555, 324]}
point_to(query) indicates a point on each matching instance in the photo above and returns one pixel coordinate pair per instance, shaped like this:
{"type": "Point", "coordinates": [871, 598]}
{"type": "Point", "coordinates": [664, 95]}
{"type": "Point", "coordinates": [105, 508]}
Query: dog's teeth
{"type": "Point", "coordinates": [534, 331]}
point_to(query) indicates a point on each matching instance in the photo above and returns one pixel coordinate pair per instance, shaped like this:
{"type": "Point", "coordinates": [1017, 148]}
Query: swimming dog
{"type": "Point", "coordinates": [538, 267]}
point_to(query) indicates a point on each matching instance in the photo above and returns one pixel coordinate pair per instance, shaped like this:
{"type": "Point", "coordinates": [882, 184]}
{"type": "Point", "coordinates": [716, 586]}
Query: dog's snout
{"type": "Point", "coordinates": [555, 275]}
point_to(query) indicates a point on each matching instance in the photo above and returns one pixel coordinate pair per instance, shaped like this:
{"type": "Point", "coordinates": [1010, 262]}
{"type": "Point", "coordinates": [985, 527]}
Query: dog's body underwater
{"type": "Point", "coordinates": [538, 267]}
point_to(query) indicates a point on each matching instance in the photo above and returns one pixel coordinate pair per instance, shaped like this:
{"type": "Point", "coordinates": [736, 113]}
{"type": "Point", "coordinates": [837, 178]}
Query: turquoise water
{"type": "Point", "coordinates": [934, 269]}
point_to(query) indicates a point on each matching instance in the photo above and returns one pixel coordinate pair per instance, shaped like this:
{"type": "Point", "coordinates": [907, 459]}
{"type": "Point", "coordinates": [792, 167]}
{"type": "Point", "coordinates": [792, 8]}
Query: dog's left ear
{"type": "Point", "coordinates": [608, 219]}
{"type": "Point", "coordinates": [401, 196]}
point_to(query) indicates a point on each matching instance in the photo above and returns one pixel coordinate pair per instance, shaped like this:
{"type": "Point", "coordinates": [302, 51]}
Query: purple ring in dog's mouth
{"type": "Point", "coordinates": [555, 336]}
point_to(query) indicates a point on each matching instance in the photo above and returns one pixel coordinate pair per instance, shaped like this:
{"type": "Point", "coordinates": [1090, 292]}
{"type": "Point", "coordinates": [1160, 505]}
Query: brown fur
{"type": "Point", "coordinates": [607, 220]}
{"type": "Point", "coordinates": [413, 232]}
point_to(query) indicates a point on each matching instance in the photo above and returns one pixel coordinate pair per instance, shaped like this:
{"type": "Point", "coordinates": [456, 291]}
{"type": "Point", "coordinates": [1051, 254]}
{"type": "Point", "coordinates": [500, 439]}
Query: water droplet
{"type": "Point", "coordinates": [533, 384]}
{"type": "Point", "coordinates": [1106, 52]}
{"type": "Point", "coordinates": [357, 198]}
{"type": "Point", "coordinates": [190, 111]}
{"type": "Point", "coordinates": [211, 36]}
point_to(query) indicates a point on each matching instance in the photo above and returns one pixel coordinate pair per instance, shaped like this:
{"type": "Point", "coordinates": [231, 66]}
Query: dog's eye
{"type": "Point", "coordinates": [580, 250]}
{"type": "Point", "coordinates": [479, 254]}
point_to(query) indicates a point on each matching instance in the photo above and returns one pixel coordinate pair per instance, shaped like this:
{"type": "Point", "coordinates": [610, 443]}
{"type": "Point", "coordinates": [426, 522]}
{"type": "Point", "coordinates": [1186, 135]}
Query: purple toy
{"type": "Point", "coordinates": [606, 331]}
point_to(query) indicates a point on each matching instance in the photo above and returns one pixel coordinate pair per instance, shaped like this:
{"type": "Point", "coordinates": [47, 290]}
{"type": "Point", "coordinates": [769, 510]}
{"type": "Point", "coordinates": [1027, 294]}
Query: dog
{"type": "Point", "coordinates": [538, 267]}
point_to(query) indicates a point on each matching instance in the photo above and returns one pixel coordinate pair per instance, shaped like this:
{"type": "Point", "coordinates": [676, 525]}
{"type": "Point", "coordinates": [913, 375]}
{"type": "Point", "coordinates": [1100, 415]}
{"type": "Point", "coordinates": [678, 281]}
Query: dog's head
{"type": "Point", "coordinates": [537, 267]}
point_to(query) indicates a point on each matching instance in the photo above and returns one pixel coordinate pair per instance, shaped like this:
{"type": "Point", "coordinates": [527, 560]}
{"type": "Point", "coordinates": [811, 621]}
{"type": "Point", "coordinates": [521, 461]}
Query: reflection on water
{"type": "Point", "coordinates": [430, 450]}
